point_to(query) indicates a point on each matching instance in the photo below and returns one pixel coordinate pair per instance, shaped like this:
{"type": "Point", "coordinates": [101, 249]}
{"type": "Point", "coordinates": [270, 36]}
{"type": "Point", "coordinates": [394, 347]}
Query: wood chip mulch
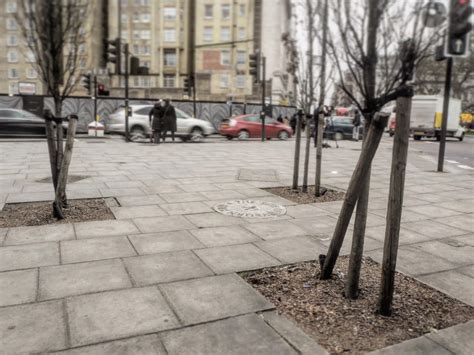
{"type": "Point", "coordinates": [40, 213]}
{"type": "Point", "coordinates": [306, 197]}
{"type": "Point", "coordinates": [352, 326]}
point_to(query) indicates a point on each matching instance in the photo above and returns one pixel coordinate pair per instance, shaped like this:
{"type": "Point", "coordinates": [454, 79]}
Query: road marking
{"type": "Point", "coordinates": [334, 172]}
{"type": "Point", "coordinates": [452, 161]}
{"type": "Point", "coordinates": [465, 167]}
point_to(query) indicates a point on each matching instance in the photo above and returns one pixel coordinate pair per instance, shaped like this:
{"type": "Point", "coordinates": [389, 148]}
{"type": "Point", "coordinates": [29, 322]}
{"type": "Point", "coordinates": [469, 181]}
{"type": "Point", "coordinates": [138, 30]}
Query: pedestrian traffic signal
{"type": "Point", "coordinates": [188, 84]}
{"type": "Point", "coordinates": [114, 54]}
{"type": "Point", "coordinates": [458, 28]}
{"type": "Point", "coordinates": [102, 91]}
{"type": "Point", "coordinates": [254, 64]}
{"type": "Point", "coordinates": [86, 83]}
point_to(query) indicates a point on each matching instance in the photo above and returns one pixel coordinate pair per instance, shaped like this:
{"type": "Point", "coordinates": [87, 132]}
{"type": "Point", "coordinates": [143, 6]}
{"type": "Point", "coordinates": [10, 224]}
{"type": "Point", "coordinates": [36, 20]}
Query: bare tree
{"type": "Point", "coordinates": [54, 33]}
{"type": "Point", "coordinates": [363, 44]}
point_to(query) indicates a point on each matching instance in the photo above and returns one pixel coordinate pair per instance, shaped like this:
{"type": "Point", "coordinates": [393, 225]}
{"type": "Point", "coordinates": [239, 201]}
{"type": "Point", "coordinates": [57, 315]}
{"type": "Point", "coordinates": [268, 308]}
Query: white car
{"type": "Point", "coordinates": [188, 128]}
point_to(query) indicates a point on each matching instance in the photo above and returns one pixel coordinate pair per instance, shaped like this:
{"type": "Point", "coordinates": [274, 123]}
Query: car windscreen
{"type": "Point", "coordinates": [145, 111]}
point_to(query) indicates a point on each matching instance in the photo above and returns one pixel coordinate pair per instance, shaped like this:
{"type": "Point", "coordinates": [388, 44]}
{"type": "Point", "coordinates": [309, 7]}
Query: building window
{"type": "Point", "coordinates": [225, 33]}
{"type": "Point", "coordinates": [123, 2]}
{"type": "Point", "coordinates": [12, 40]}
{"type": "Point", "coordinates": [145, 2]}
{"type": "Point", "coordinates": [12, 73]}
{"type": "Point", "coordinates": [82, 63]}
{"type": "Point", "coordinates": [242, 10]}
{"type": "Point", "coordinates": [11, 24]}
{"type": "Point", "coordinates": [145, 81]}
{"type": "Point", "coordinates": [169, 58]}
{"type": "Point", "coordinates": [169, 13]}
{"type": "Point", "coordinates": [225, 57]}
{"type": "Point", "coordinates": [146, 63]}
{"type": "Point", "coordinates": [13, 88]}
{"type": "Point", "coordinates": [241, 57]}
{"type": "Point", "coordinates": [146, 17]}
{"type": "Point", "coordinates": [136, 34]}
{"type": "Point", "coordinates": [136, 17]}
{"type": "Point", "coordinates": [136, 49]}
{"type": "Point", "coordinates": [124, 18]}
{"type": "Point", "coordinates": [81, 49]}
{"type": "Point", "coordinates": [241, 32]}
{"type": "Point", "coordinates": [225, 11]}
{"type": "Point", "coordinates": [240, 81]}
{"type": "Point", "coordinates": [12, 56]}
{"type": "Point", "coordinates": [224, 81]}
{"type": "Point", "coordinates": [30, 57]}
{"type": "Point", "coordinates": [170, 35]}
{"type": "Point", "coordinates": [208, 34]}
{"type": "Point", "coordinates": [169, 81]}
{"type": "Point", "coordinates": [146, 50]}
{"type": "Point", "coordinates": [208, 11]}
{"type": "Point", "coordinates": [31, 73]}
{"type": "Point", "coordinates": [124, 34]}
{"type": "Point", "coordinates": [11, 7]}
{"type": "Point", "coordinates": [136, 82]}
{"type": "Point", "coordinates": [145, 34]}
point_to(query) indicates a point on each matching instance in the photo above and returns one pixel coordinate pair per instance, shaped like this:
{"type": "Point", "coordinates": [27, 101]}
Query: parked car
{"type": "Point", "coordinates": [250, 126]}
{"type": "Point", "coordinates": [15, 122]}
{"type": "Point", "coordinates": [341, 127]}
{"type": "Point", "coordinates": [139, 124]}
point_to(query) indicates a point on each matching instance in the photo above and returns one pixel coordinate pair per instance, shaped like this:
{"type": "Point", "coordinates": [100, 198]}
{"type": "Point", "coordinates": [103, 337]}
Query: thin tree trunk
{"type": "Point", "coordinates": [374, 136]}
{"type": "Point", "coordinates": [357, 249]}
{"type": "Point", "coordinates": [306, 158]}
{"type": "Point", "coordinates": [59, 140]}
{"type": "Point", "coordinates": [62, 180]}
{"type": "Point", "coordinates": [296, 167]}
{"type": "Point", "coordinates": [395, 202]}
{"type": "Point", "coordinates": [319, 153]}
{"type": "Point", "coordinates": [52, 147]}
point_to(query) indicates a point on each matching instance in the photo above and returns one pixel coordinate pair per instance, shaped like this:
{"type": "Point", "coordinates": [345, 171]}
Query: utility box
{"type": "Point", "coordinates": [95, 129]}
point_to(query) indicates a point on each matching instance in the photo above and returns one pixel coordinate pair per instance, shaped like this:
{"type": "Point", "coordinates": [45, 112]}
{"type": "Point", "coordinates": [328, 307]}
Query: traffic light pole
{"type": "Point", "coordinates": [127, 54]}
{"type": "Point", "coordinates": [262, 114]}
{"type": "Point", "coordinates": [95, 98]}
{"type": "Point", "coordinates": [444, 123]}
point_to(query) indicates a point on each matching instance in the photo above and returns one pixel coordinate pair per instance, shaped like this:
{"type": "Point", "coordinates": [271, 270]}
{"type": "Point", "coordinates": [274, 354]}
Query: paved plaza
{"type": "Point", "coordinates": [162, 277]}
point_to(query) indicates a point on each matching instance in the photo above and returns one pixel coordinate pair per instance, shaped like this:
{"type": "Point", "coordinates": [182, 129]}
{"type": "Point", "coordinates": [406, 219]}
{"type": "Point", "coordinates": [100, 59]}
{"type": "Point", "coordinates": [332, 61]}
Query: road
{"type": "Point", "coordinates": [458, 154]}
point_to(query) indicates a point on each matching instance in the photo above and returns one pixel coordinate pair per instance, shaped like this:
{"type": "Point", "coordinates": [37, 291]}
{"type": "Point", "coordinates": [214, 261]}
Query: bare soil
{"type": "Point", "coordinates": [352, 326]}
{"type": "Point", "coordinates": [306, 197]}
{"type": "Point", "coordinates": [40, 213]}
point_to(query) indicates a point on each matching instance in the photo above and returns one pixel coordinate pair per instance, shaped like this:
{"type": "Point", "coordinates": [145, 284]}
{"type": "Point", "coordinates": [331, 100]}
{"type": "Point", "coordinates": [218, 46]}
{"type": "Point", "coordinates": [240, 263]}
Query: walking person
{"type": "Point", "coordinates": [280, 118]}
{"type": "Point", "coordinates": [169, 119]}
{"type": "Point", "coordinates": [356, 122]}
{"type": "Point", "coordinates": [156, 122]}
{"type": "Point", "coordinates": [293, 122]}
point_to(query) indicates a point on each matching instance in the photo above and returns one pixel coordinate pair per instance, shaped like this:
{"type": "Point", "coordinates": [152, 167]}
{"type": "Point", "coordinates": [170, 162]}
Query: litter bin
{"type": "Point", "coordinates": [95, 129]}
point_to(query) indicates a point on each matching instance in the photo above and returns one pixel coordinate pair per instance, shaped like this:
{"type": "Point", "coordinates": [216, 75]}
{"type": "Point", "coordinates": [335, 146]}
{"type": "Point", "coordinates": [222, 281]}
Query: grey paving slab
{"type": "Point", "coordinates": [464, 222]}
{"type": "Point", "coordinates": [28, 256]}
{"type": "Point", "coordinates": [166, 267]}
{"type": "Point", "coordinates": [276, 229]}
{"type": "Point", "coordinates": [133, 191]}
{"type": "Point", "coordinates": [233, 258]}
{"type": "Point", "coordinates": [214, 219]}
{"type": "Point", "coordinates": [162, 224]}
{"type": "Point", "coordinates": [160, 188]}
{"type": "Point", "coordinates": [143, 345]}
{"type": "Point", "coordinates": [3, 234]}
{"type": "Point", "coordinates": [32, 328]}
{"type": "Point", "coordinates": [213, 298]}
{"type": "Point", "coordinates": [453, 283]}
{"type": "Point", "coordinates": [433, 211]}
{"type": "Point", "coordinates": [75, 251]}
{"type": "Point", "coordinates": [204, 187]}
{"type": "Point", "coordinates": [301, 211]}
{"type": "Point", "coordinates": [457, 339]}
{"type": "Point", "coordinates": [224, 195]}
{"type": "Point", "coordinates": [459, 205]}
{"type": "Point", "coordinates": [164, 242]}
{"type": "Point", "coordinates": [417, 346]}
{"type": "Point", "coordinates": [128, 201]}
{"type": "Point", "coordinates": [38, 234]}
{"type": "Point", "coordinates": [434, 229]}
{"type": "Point", "coordinates": [321, 225]}
{"type": "Point", "coordinates": [292, 250]}
{"type": "Point", "coordinates": [293, 335]}
{"type": "Point", "coordinates": [458, 253]}
{"type": "Point", "coordinates": [123, 184]}
{"type": "Point", "coordinates": [76, 279]}
{"type": "Point", "coordinates": [18, 287]}
{"type": "Point", "coordinates": [118, 314]}
{"type": "Point", "coordinates": [467, 270]}
{"type": "Point", "coordinates": [240, 335]}
{"type": "Point", "coordinates": [30, 197]}
{"type": "Point", "coordinates": [406, 236]}
{"type": "Point", "coordinates": [137, 211]}
{"type": "Point", "coordinates": [278, 200]}
{"type": "Point", "coordinates": [219, 236]}
{"type": "Point", "coordinates": [185, 208]}
{"type": "Point", "coordinates": [183, 197]}
{"type": "Point", "coordinates": [109, 228]}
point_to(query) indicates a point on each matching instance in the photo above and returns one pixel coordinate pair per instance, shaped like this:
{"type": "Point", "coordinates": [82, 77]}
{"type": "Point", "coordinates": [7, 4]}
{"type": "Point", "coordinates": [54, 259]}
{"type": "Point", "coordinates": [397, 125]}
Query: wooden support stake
{"type": "Point", "coordinates": [395, 202]}
{"type": "Point", "coordinates": [306, 157]}
{"type": "Point", "coordinates": [52, 147]}
{"type": "Point", "coordinates": [319, 153]}
{"type": "Point", "coordinates": [377, 127]}
{"type": "Point", "coordinates": [296, 167]}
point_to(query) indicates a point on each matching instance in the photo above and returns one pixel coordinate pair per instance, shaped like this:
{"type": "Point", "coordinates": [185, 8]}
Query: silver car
{"type": "Point", "coordinates": [188, 128]}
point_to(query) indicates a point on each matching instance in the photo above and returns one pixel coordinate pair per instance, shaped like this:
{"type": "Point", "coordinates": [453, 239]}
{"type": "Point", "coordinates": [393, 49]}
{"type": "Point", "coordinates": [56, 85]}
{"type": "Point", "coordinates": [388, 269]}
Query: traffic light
{"type": "Point", "coordinates": [87, 83]}
{"type": "Point", "coordinates": [254, 64]}
{"type": "Point", "coordinates": [134, 65]}
{"type": "Point", "coordinates": [102, 91]}
{"type": "Point", "coordinates": [459, 28]}
{"type": "Point", "coordinates": [114, 54]}
{"type": "Point", "coordinates": [188, 84]}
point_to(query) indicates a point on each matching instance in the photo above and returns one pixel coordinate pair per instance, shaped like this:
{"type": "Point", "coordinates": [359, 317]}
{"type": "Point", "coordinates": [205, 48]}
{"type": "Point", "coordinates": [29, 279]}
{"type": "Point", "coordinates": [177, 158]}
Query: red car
{"type": "Point", "coordinates": [250, 126]}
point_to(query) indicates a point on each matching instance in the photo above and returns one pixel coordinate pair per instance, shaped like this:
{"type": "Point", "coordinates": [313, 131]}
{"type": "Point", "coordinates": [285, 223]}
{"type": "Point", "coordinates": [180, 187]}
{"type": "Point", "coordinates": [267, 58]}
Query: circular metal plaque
{"type": "Point", "coordinates": [250, 208]}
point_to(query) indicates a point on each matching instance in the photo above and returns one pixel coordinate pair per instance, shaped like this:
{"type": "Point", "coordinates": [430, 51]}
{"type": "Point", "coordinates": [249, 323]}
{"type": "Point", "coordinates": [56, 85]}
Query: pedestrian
{"type": "Point", "coordinates": [314, 132]}
{"type": "Point", "coordinates": [280, 118]}
{"type": "Point", "coordinates": [293, 123]}
{"type": "Point", "coordinates": [156, 122]}
{"type": "Point", "coordinates": [169, 119]}
{"type": "Point", "coordinates": [356, 122]}
{"type": "Point", "coordinates": [286, 121]}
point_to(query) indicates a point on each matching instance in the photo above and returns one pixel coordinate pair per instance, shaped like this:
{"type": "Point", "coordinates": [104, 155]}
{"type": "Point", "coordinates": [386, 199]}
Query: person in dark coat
{"type": "Point", "coordinates": [156, 122]}
{"type": "Point", "coordinates": [293, 122]}
{"type": "Point", "coordinates": [169, 119]}
{"type": "Point", "coordinates": [356, 122]}
{"type": "Point", "coordinates": [280, 118]}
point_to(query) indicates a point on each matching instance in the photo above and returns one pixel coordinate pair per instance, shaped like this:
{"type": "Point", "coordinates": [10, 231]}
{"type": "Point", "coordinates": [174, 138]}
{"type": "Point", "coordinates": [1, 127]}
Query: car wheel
{"type": "Point", "coordinates": [196, 134]}
{"type": "Point", "coordinates": [229, 138]}
{"type": "Point", "coordinates": [283, 135]}
{"type": "Point", "coordinates": [243, 135]}
{"type": "Point", "coordinates": [338, 136]}
{"type": "Point", "coordinates": [137, 133]}
{"type": "Point", "coordinates": [461, 138]}
{"type": "Point", "coordinates": [417, 138]}
{"type": "Point", "coordinates": [391, 134]}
